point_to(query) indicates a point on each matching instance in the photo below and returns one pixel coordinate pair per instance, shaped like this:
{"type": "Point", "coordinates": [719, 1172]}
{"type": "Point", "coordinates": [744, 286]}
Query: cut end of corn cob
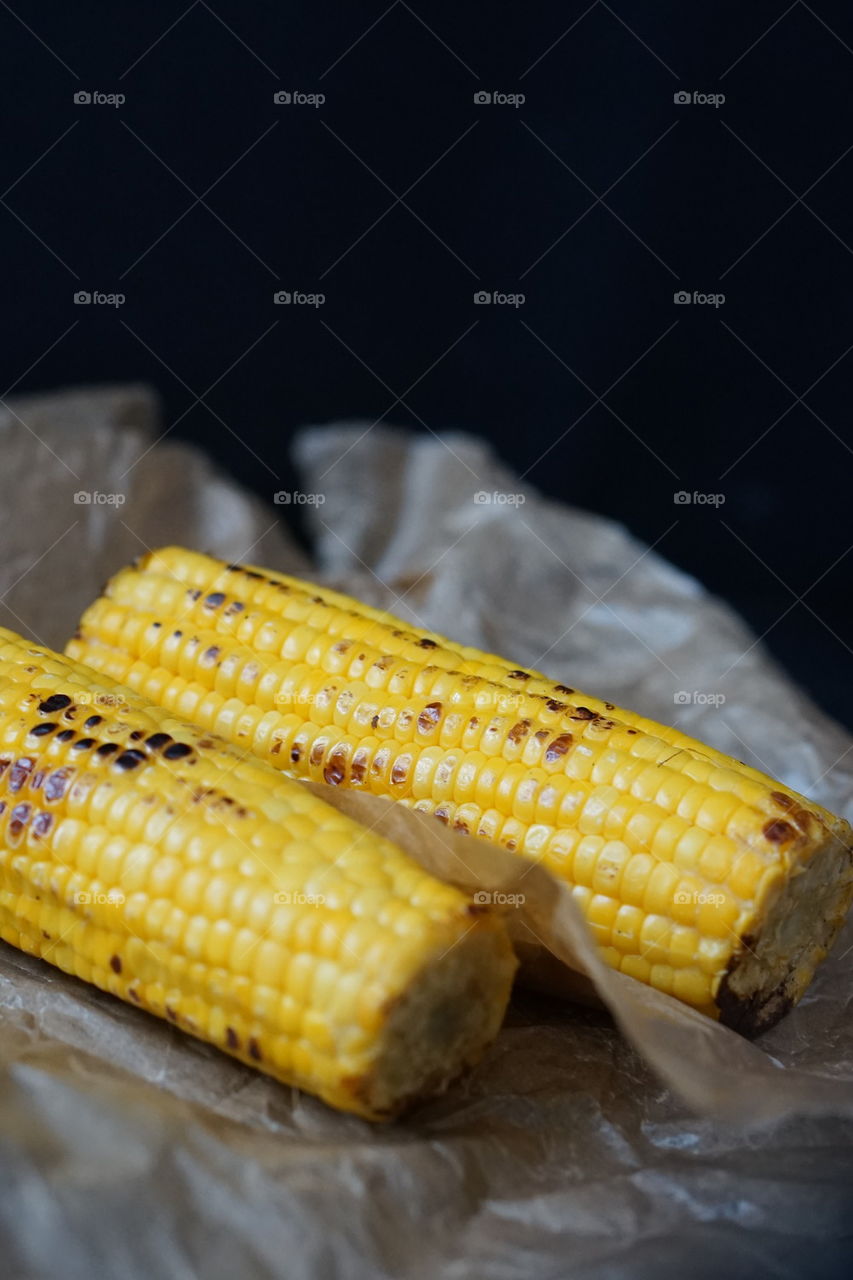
{"type": "Point", "coordinates": [696, 874]}
{"type": "Point", "coordinates": [152, 859]}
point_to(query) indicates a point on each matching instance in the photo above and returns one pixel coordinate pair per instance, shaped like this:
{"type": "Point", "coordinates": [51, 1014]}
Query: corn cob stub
{"type": "Point", "coordinates": [164, 866]}
{"type": "Point", "coordinates": [697, 874]}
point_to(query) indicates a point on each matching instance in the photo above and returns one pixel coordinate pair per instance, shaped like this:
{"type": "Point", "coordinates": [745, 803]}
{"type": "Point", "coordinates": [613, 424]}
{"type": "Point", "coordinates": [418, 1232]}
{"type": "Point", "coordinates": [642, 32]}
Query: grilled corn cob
{"type": "Point", "coordinates": [696, 874]}
{"type": "Point", "coordinates": [180, 874]}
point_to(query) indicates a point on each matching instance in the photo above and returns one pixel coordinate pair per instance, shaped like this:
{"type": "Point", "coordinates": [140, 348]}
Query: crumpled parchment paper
{"type": "Point", "coordinates": [580, 1146]}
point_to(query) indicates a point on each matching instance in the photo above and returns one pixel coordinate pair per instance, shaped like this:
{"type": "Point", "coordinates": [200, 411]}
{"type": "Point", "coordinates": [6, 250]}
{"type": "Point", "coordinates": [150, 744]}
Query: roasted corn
{"type": "Point", "coordinates": [696, 874]}
{"type": "Point", "coordinates": [159, 863]}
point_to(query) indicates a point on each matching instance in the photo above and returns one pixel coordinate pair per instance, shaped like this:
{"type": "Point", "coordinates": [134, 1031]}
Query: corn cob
{"type": "Point", "coordinates": [180, 874]}
{"type": "Point", "coordinates": [696, 874]}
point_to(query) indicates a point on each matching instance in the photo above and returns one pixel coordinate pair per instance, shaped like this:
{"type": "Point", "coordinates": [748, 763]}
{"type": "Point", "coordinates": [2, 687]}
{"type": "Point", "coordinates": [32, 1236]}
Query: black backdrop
{"type": "Point", "coordinates": [400, 196]}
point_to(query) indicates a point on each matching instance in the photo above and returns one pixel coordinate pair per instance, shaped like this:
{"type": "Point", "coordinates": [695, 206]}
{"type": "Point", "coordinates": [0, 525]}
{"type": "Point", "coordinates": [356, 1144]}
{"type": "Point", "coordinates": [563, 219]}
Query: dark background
{"type": "Point", "coordinates": [749, 199]}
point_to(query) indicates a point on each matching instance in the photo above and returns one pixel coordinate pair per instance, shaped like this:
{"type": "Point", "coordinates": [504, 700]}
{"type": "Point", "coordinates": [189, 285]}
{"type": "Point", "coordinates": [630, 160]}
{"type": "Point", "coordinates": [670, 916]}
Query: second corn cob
{"type": "Point", "coordinates": [160, 864]}
{"type": "Point", "coordinates": [697, 874]}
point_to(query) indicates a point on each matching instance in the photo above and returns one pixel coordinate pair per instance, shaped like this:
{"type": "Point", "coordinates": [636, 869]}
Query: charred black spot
{"type": "Point", "coordinates": [295, 754]}
{"type": "Point", "coordinates": [518, 675]}
{"type": "Point", "coordinates": [563, 688]}
{"type": "Point", "coordinates": [115, 964]}
{"type": "Point", "coordinates": [158, 740]}
{"type": "Point", "coordinates": [129, 759]}
{"type": "Point", "coordinates": [211, 654]}
{"type": "Point", "coordinates": [785, 802]}
{"type": "Point", "coordinates": [136, 735]}
{"type": "Point", "coordinates": [93, 722]}
{"type": "Point", "coordinates": [57, 702]}
{"type": "Point", "coordinates": [519, 731]}
{"type": "Point", "coordinates": [553, 705]}
{"type": "Point", "coordinates": [374, 722]}
{"type": "Point", "coordinates": [426, 643]}
{"type": "Point", "coordinates": [215, 600]}
{"type": "Point", "coordinates": [582, 713]}
{"type": "Point", "coordinates": [83, 744]}
{"type": "Point", "coordinates": [41, 730]}
{"type": "Point", "coordinates": [254, 1049]}
{"type": "Point", "coordinates": [18, 819]}
{"type": "Point", "coordinates": [231, 1038]}
{"type": "Point", "coordinates": [177, 751]}
{"type": "Point", "coordinates": [108, 749]}
{"type": "Point", "coordinates": [177, 634]}
{"type": "Point", "coordinates": [236, 606]}
{"type": "Point", "coordinates": [65, 736]}
{"type": "Point", "coordinates": [610, 706]}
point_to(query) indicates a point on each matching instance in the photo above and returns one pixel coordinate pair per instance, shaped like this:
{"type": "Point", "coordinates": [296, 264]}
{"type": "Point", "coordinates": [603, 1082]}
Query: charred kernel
{"type": "Point", "coordinates": [40, 730]}
{"type": "Point", "coordinates": [335, 771]}
{"type": "Point", "coordinates": [57, 784]}
{"type": "Point", "coordinates": [115, 964]}
{"type": "Point", "coordinates": [108, 749]}
{"type": "Point", "coordinates": [65, 736]}
{"type": "Point", "coordinates": [295, 754]}
{"type": "Point", "coordinates": [194, 593]}
{"type": "Point", "coordinates": [785, 802]}
{"type": "Point", "coordinates": [136, 735]}
{"type": "Point", "coordinates": [206, 742]}
{"type": "Point", "coordinates": [631, 730]}
{"type": "Point", "coordinates": [83, 744]}
{"type": "Point", "coordinates": [20, 771]}
{"type": "Point", "coordinates": [177, 751]}
{"type": "Point", "coordinates": [429, 717]}
{"type": "Point", "coordinates": [254, 1049]}
{"type": "Point", "coordinates": [93, 722]}
{"type": "Point", "coordinates": [553, 705]}
{"type": "Point", "coordinates": [358, 768]}
{"type": "Point", "coordinates": [158, 740]}
{"type": "Point", "coordinates": [610, 706]}
{"type": "Point", "coordinates": [540, 735]}
{"type": "Point", "coordinates": [215, 599]}
{"type": "Point", "coordinates": [211, 654]}
{"type": "Point", "coordinates": [778, 831]}
{"type": "Point", "coordinates": [400, 770]}
{"type": "Point", "coordinates": [558, 747]}
{"type": "Point", "coordinates": [177, 634]}
{"type": "Point", "coordinates": [236, 606]}
{"type": "Point", "coordinates": [42, 823]}
{"type": "Point", "coordinates": [582, 713]}
{"type": "Point", "coordinates": [442, 814]}
{"type": "Point", "coordinates": [130, 759]}
{"type": "Point", "coordinates": [134, 994]}
{"type": "Point", "coordinates": [426, 643]}
{"type": "Point", "coordinates": [18, 819]}
{"type": "Point", "coordinates": [231, 1038]}
{"type": "Point", "coordinates": [518, 675]}
{"type": "Point", "coordinates": [519, 731]}
{"type": "Point", "coordinates": [563, 688]}
{"type": "Point", "coordinates": [317, 752]}
{"type": "Point", "coordinates": [57, 702]}
{"type": "Point", "coordinates": [374, 722]}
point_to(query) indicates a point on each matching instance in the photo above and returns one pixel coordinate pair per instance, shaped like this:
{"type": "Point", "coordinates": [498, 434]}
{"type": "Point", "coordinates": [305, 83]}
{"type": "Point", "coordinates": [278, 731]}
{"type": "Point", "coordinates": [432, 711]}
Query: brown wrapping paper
{"type": "Point", "coordinates": [628, 1139]}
